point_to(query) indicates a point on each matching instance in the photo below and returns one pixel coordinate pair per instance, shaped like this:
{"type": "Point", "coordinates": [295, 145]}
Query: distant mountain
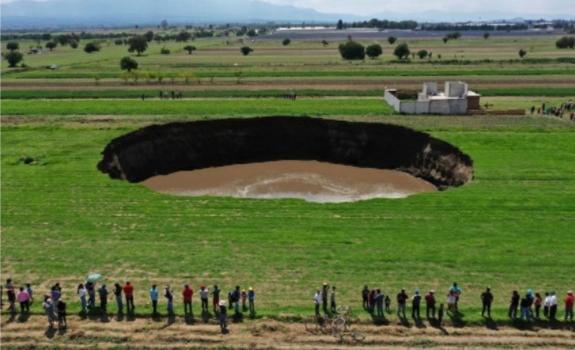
{"type": "Point", "coordinates": [30, 13]}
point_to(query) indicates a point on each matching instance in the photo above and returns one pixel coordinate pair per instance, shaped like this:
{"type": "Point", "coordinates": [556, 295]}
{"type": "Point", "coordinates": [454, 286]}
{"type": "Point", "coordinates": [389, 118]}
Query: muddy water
{"type": "Point", "coordinates": [308, 180]}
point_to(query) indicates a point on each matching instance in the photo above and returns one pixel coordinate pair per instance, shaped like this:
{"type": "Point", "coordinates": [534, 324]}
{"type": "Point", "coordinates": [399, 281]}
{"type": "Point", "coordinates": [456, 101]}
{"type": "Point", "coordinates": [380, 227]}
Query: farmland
{"type": "Point", "coordinates": [510, 228]}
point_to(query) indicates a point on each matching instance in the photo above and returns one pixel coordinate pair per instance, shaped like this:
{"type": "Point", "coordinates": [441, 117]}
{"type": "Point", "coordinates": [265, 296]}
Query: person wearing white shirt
{"type": "Point", "coordinates": [82, 292]}
{"type": "Point", "coordinates": [552, 306]}
{"type": "Point", "coordinates": [317, 301]}
{"type": "Point", "coordinates": [546, 305]}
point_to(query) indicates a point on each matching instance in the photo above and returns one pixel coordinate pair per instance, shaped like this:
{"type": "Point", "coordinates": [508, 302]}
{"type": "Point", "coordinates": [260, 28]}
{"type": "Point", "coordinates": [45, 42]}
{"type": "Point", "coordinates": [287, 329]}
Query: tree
{"type": "Point", "coordinates": [251, 33]}
{"type": "Point", "coordinates": [445, 40]}
{"type": "Point", "coordinates": [91, 47]}
{"type": "Point", "coordinates": [46, 36]}
{"type": "Point", "coordinates": [325, 43]}
{"type": "Point", "coordinates": [51, 45]}
{"type": "Point", "coordinates": [286, 42]}
{"type": "Point", "coordinates": [352, 50]}
{"type": "Point", "coordinates": [13, 58]}
{"type": "Point", "coordinates": [391, 40]}
{"type": "Point", "coordinates": [374, 51]}
{"type": "Point", "coordinates": [164, 24]}
{"type": "Point", "coordinates": [137, 44]}
{"type": "Point", "coordinates": [522, 53]}
{"type": "Point", "coordinates": [566, 42]}
{"type": "Point", "coordinates": [164, 51]}
{"type": "Point", "coordinates": [190, 49]}
{"type": "Point", "coordinates": [422, 54]}
{"type": "Point", "coordinates": [74, 44]}
{"type": "Point", "coordinates": [486, 36]}
{"type": "Point", "coordinates": [12, 46]}
{"type": "Point", "coordinates": [149, 35]}
{"type": "Point", "coordinates": [339, 25]}
{"type": "Point", "coordinates": [119, 42]}
{"type": "Point", "coordinates": [128, 63]}
{"type": "Point", "coordinates": [183, 36]}
{"type": "Point", "coordinates": [402, 51]}
{"type": "Point", "coordinates": [246, 50]}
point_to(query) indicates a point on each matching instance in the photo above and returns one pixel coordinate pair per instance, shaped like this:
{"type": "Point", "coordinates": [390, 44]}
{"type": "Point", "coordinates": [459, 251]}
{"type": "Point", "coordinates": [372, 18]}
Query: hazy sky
{"type": "Point", "coordinates": [368, 7]}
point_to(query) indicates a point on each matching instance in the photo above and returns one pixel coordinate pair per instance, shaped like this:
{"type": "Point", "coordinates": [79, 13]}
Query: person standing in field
{"type": "Point", "coordinates": [90, 288]}
{"type": "Point", "coordinates": [24, 300]}
{"type": "Point", "coordinates": [129, 294]}
{"type": "Point", "coordinates": [546, 305]}
{"type": "Point", "coordinates": [538, 301]}
{"type": "Point", "coordinates": [333, 304]}
{"type": "Point", "coordinates": [154, 299]}
{"type": "Point", "coordinates": [317, 302]}
{"type": "Point", "coordinates": [30, 293]}
{"type": "Point", "coordinates": [325, 297]}
{"type": "Point", "coordinates": [430, 304]}
{"type": "Point", "coordinates": [252, 301]}
{"type": "Point", "coordinates": [440, 313]}
{"type": "Point", "coordinates": [365, 297]}
{"type": "Point", "coordinates": [48, 307]}
{"type": "Point", "coordinates": [553, 307]}
{"type": "Point", "coordinates": [216, 298]}
{"type": "Point", "coordinates": [371, 300]}
{"type": "Point", "coordinates": [569, 300]}
{"type": "Point", "coordinates": [401, 304]}
{"type": "Point", "coordinates": [187, 295]}
{"type": "Point", "coordinates": [387, 304]}
{"type": "Point", "coordinates": [379, 300]}
{"type": "Point", "coordinates": [103, 294]}
{"type": "Point", "coordinates": [170, 300]}
{"type": "Point", "coordinates": [513, 305]}
{"type": "Point", "coordinates": [223, 317]}
{"type": "Point", "coordinates": [525, 314]}
{"type": "Point", "coordinates": [118, 296]}
{"type": "Point", "coordinates": [486, 301]}
{"type": "Point", "coordinates": [455, 290]}
{"type": "Point", "coordinates": [11, 294]}
{"type": "Point", "coordinates": [236, 294]}
{"type": "Point", "coordinates": [82, 293]}
{"type": "Point", "coordinates": [415, 306]}
{"type": "Point", "coordinates": [204, 295]}
{"type": "Point", "coordinates": [244, 297]}
{"type": "Point", "coordinates": [61, 308]}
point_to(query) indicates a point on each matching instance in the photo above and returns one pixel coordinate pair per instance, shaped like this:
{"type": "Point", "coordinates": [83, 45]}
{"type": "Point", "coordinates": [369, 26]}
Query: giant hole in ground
{"type": "Point", "coordinates": [318, 160]}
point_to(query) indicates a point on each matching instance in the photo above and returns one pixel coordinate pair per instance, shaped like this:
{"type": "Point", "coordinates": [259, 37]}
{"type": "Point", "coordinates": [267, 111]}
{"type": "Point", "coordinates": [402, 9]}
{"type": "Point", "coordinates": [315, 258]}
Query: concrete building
{"type": "Point", "coordinates": [455, 99]}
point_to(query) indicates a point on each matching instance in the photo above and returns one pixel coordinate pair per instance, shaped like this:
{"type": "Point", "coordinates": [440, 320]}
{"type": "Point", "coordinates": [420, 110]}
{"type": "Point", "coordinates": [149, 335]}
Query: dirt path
{"type": "Point", "coordinates": [268, 334]}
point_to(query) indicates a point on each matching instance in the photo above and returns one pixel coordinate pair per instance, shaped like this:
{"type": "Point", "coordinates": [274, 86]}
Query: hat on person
{"type": "Point", "coordinates": [432, 291]}
{"type": "Point", "coordinates": [222, 303]}
{"type": "Point", "coordinates": [570, 292]}
{"type": "Point", "coordinates": [202, 286]}
{"type": "Point", "coordinates": [250, 288]}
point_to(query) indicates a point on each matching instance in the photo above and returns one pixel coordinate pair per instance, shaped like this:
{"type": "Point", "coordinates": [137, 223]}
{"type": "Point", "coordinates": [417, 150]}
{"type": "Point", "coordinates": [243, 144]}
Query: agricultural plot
{"type": "Point", "coordinates": [510, 228]}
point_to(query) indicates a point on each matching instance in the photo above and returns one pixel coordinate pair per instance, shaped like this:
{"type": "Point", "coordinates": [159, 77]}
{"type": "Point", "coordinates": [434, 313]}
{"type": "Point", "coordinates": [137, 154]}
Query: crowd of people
{"type": "Point", "coordinates": [378, 304]}
{"type": "Point", "coordinates": [95, 299]}
{"type": "Point", "coordinates": [565, 109]}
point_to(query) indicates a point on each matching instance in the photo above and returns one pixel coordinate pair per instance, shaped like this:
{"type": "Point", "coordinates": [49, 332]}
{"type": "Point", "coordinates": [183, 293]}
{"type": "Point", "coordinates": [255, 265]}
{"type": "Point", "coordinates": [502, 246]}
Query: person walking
{"type": "Point", "coordinates": [129, 294]}
{"type": "Point", "coordinates": [187, 295]}
{"type": "Point", "coordinates": [154, 299]}
{"type": "Point", "coordinates": [513, 305]}
{"type": "Point", "coordinates": [537, 302]}
{"type": "Point", "coordinates": [325, 297]}
{"type": "Point", "coordinates": [223, 317]}
{"type": "Point", "coordinates": [379, 300]}
{"type": "Point", "coordinates": [82, 293]}
{"type": "Point", "coordinates": [244, 297]}
{"type": "Point", "coordinates": [170, 300]}
{"type": "Point", "coordinates": [317, 303]}
{"type": "Point", "coordinates": [430, 304]}
{"type": "Point", "coordinates": [569, 299]}
{"type": "Point", "coordinates": [415, 306]}
{"type": "Point", "coordinates": [103, 294]}
{"type": "Point", "coordinates": [553, 307]}
{"type": "Point", "coordinates": [365, 297]}
{"type": "Point", "coordinates": [401, 304]}
{"type": "Point", "coordinates": [332, 301]}
{"type": "Point", "coordinates": [486, 301]}
{"type": "Point", "coordinates": [118, 296]}
{"type": "Point", "coordinates": [252, 301]}
{"type": "Point", "coordinates": [216, 298]}
{"type": "Point", "coordinates": [11, 295]}
{"type": "Point", "coordinates": [61, 309]}
{"type": "Point", "coordinates": [204, 295]}
{"type": "Point", "coordinates": [24, 300]}
{"type": "Point", "coordinates": [49, 310]}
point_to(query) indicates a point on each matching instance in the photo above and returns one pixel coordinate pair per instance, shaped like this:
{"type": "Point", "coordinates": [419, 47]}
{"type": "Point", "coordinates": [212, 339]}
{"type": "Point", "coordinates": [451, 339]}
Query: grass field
{"type": "Point", "coordinates": [510, 228]}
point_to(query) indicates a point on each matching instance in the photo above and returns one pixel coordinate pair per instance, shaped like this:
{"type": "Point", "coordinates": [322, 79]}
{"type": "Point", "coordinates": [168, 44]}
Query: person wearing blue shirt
{"type": "Point", "coordinates": [154, 299]}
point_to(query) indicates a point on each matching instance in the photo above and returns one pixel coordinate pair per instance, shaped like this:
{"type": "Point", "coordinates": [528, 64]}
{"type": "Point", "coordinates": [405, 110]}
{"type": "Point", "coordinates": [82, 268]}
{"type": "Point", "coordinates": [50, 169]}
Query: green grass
{"type": "Point", "coordinates": [511, 228]}
{"type": "Point", "coordinates": [128, 92]}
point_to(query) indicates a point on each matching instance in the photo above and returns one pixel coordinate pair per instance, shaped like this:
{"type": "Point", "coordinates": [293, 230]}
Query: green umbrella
{"type": "Point", "coordinates": [93, 277]}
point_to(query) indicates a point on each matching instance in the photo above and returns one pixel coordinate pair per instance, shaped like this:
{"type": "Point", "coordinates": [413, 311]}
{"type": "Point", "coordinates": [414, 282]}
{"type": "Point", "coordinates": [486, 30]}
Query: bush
{"type": "Point", "coordinates": [74, 44]}
{"type": "Point", "coordinates": [128, 63]}
{"type": "Point", "coordinates": [13, 58]}
{"type": "Point", "coordinates": [165, 51]}
{"type": "Point", "coordinates": [138, 44]}
{"type": "Point", "coordinates": [522, 53]}
{"type": "Point", "coordinates": [286, 42]}
{"type": "Point", "coordinates": [402, 51]}
{"type": "Point", "coordinates": [422, 54]}
{"type": "Point", "coordinates": [12, 46]}
{"type": "Point", "coordinates": [190, 49]}
{"type": "Point", "coordinates": [391, 40]}
{"type": "Point", "coordinates": [325, 43]}
{"type": "Point", "coordinates": [246, 50]}
{"type": "Point", "coordinates": [91, 47]}
{"type": "Point", "coordinates": [374, 51]}
{"type": "Point", "coordinates": [119, 42]}
{"type": "Point", "coordinates": [51, 45]}
{"type": "Point", "coordinates": [352, 50]}
{"type": "Point", "coordinates": [566, 42]}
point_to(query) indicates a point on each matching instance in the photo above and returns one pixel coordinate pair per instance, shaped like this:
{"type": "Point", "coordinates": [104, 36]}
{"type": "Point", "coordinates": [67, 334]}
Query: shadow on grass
{"type": "Point", "coordinates": [457, 319]}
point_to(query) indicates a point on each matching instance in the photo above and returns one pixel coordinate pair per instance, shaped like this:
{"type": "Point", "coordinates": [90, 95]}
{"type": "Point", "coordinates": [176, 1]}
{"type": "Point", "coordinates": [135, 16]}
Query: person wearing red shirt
{"type": "Point", "coordinates": [569, 299]}
{"type": "Point", "coordinates": [187, 294]}
{"type": "Point", "coordinates": [129, 293]}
